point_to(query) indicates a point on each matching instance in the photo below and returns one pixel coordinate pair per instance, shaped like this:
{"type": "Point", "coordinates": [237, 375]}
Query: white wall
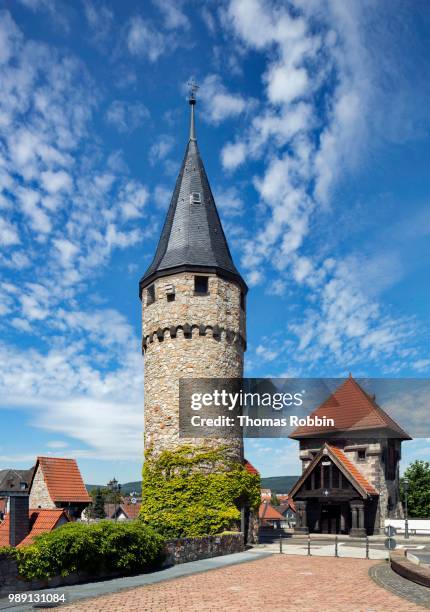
{"type": "Point", "coordinates": [421, 526]}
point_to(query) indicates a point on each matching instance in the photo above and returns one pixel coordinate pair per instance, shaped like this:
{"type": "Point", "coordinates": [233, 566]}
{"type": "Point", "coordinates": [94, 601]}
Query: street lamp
{"type": "Point", "coordinates": [405, 487]}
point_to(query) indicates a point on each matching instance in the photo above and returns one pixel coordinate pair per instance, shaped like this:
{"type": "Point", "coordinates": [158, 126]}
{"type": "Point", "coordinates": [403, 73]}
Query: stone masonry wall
{"type": "Point", "coordinates": [39, 494]}
{"type": "Point", "coordinates": [211, 347]}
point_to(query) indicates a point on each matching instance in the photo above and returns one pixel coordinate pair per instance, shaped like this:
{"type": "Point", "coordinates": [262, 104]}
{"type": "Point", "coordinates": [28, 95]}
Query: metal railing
{"type": "Point", "coordinates": [307, 543]}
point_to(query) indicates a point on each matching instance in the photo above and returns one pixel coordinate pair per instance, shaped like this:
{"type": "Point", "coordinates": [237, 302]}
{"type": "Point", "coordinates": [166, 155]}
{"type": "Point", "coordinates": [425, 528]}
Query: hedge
{"type": "Point", "coordinates": [194, 491]}
{"type": "Point", "coordinates": [124, 547]}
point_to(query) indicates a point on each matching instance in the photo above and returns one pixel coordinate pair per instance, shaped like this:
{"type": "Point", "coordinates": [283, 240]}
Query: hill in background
{"type": "Point", "coordinates": [278, 484]}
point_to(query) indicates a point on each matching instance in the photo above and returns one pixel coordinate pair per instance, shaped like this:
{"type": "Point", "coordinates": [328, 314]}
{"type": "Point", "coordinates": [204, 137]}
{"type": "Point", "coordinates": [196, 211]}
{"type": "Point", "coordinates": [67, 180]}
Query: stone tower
{"type": "Point", "coordinates": [193, 306]}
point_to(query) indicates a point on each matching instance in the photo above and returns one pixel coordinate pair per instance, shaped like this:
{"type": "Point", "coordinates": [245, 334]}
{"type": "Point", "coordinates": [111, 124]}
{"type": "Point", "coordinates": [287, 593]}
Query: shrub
{"type": "Point", "coordinates": [195, 491]}
{"type": "Point", "coordinates": [97, 548]}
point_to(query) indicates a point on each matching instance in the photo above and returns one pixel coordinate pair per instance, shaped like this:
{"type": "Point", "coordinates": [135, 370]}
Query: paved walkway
{"type": "Point", "coordinates": [276, 583]}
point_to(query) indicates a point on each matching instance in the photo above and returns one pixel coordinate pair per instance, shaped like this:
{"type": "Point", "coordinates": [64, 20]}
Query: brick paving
{"type": "Point", "coordinates": [275, 583]}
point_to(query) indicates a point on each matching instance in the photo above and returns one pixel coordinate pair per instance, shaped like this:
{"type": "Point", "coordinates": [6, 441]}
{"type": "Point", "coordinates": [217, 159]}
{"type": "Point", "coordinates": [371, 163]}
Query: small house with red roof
{"type": "Point", "coordinates": [57, 483]}
{"type": "Point", "coordinates": [350, 479]}
{"type": "Point", "coordinates": [38, 521]}
{"type": "Point", "coordinates": [269, 516]}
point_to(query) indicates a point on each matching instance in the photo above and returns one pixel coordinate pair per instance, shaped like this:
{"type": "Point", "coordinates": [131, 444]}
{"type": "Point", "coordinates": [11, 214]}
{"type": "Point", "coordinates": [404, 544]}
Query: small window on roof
{"type": "Point", "coordinates": [150, 295]}
{"type": "Point", "coordinates": [196, 197]}
{"type": "Point", "coordinates": [201, 285]}
{"type": "Point", "coordinates": [361, 454]}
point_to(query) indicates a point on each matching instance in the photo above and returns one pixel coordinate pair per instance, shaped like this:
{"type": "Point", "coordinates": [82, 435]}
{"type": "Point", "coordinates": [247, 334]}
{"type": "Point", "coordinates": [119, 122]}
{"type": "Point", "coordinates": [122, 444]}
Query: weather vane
{"type": "Point", "coordinates": [192, 90]}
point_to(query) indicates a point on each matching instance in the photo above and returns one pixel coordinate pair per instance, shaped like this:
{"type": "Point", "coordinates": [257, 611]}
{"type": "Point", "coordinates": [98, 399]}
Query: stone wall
{"type": "Point", "coordinates": [39, 494]}
{"type": "Point", "coordinates": [194, 336]}
{"type": "Point", "coordinates": [177, 551]}
{"type": "Point", "coordinates": [183, 550]}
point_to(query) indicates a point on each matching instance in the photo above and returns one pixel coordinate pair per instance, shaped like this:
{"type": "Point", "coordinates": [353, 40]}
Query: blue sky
{"type": "Point", "coordinates": [313, 123]}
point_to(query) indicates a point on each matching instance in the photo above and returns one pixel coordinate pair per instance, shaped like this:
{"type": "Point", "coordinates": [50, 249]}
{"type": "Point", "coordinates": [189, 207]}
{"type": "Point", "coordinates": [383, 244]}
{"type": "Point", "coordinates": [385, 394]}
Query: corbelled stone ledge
{"type": "Point", "coordinates": [187, 329]}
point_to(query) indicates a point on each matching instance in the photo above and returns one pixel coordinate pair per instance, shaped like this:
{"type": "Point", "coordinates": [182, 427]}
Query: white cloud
{"type": "Point", "coordinates": [56, 181]}
{"type": "Point", "coordinates": [285, 86]}
{"type": "Point", "coordinates": [229, 201]}
{"type": "Point", "coordinates": [8, 233]}
{"type": "Point", "coordinates": [132, 199]}
{"type": "Point", "coordinates": [219, 104]}
{"type": "Point", "coordinates": [126, 116]}
{"type": "Point", "coordinates": [174, 17]}
{"type": "Point", "coordinates": [100, 19]}
{"type": "Point", "coordinates": [162, 196]}
{"type": "Point", "coordinates": [233, 155]}
{"type": "Point", "coordinates": [100, 406]}
{"type": "Point", "coordinates": [144, 40]}
{"type": "Point", "coordinates": [160, 148]}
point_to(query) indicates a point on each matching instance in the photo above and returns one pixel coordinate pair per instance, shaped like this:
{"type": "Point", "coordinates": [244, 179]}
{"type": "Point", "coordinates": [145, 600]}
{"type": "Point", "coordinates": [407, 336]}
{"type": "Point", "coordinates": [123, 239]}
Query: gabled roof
{"type": "Point", "coordinates": [131, 511]}
{"type": "Point", "coordinates": [352, 409]}
{"type": "Point", "coordinates": [268, 512]}
{"type": "Point", "coordinates": [63, 479]}
{"type": "Point", "coordinates": [10, 479]}
{"type": "Point", "coordinates": [41, 521]}
{"type": "Point", "coordinates": [249, 467]}
{"type": "Point", "coordinates": [192, 238]}
{"type": "Point", "coordinates": [285, 505]}
{"type": "Point", "coordinates": [350, 471]}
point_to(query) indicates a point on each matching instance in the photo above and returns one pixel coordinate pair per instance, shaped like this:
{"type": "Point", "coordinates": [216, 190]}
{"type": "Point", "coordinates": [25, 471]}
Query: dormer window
{"type": "Point", "coordinates": [150, 295]}
{"type": "Point", "coordinates": [201, 285]}
{"type": "Point", "coordinates": [196, 197]}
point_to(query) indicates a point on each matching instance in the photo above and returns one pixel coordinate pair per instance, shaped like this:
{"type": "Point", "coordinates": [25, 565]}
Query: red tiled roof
{"type": "Point", "coordinates": [41, 521]}
{"type": "Point", "coordinates": [131, 510]}
{"type": "Point", "coordinates": [249, 467]}
{"type": "Point", "coordinates": [63, 479]}
{"type": "Point", "coordinates": [354, 471]}
{"type": "Point", "coordinates": [268, 512]}
{"type": "Point", "coordinates": [351, 408]}
{"type": "Point", "coordinates": [287, 502]}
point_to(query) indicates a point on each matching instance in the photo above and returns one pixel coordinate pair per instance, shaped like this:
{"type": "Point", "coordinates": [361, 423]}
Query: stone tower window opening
{"type": "Point", "coordinates": [170, 293]}
{"type": "Point", "coordinates": [201, 285]}
{"type": "Point", "coordinates": [150, 295]}
{"type": "Point", "coordinates": [361, 454]}
{"type": "Point", "coordinates": [196, 197]}
{"type": "Point", "coordinates": [242, 300]}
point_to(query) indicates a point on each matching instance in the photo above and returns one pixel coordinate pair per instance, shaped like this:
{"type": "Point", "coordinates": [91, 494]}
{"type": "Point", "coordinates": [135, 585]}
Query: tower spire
{"type": "Point", "coordinates": [193, 87]}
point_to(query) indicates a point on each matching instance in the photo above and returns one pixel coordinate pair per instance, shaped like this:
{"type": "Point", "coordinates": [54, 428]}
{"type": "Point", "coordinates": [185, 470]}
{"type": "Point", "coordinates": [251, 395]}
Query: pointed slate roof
{"type": "Point", "coordinates": [192, 238]}
{"type": "Point", "coordinates": [352, 410]}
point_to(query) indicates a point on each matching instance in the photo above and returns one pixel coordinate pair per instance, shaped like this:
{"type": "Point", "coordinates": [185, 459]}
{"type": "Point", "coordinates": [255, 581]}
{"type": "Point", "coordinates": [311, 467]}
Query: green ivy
{"type": "Point", "coordinates": [106, 546]}
{"type": "Point", "coordinates": [194, 491]}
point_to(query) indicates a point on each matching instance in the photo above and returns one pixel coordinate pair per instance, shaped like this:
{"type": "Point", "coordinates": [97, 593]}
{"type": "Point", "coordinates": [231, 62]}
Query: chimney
{"type": "Point", "coordinates": [19, 521]}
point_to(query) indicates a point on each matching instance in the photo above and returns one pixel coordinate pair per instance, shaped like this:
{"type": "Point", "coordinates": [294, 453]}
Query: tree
{"type": "Point", "coordinates": [98, 507]}
{"type": "Point", "coordinates": [274, 500]}
{"type": "Point", "coordinates": [418, 474]}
